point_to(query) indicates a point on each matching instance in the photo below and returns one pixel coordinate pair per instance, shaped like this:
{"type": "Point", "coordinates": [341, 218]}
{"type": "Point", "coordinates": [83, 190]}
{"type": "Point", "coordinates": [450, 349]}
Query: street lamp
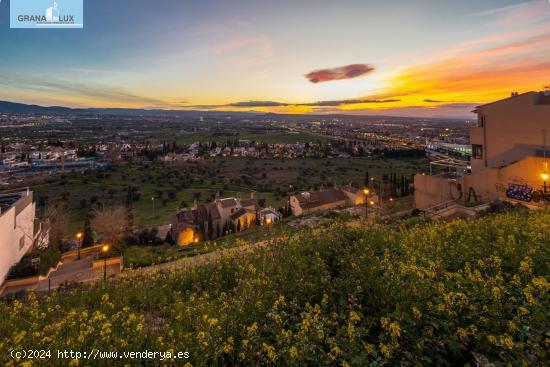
{"type": "Point", "coordinates": [544, 176]}
{"type": "Point", "coordinates": [79, 236]}
{"type": "Point", "coordinates": [153, 200]}
{"type": "Point", "coordinates": [105, 250]}
{"type": "Point", "coordinates": [366, 192]}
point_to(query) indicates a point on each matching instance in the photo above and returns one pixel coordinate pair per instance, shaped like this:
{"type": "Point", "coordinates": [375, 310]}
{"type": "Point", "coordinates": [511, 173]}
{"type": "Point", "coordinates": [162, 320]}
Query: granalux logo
{"type": "Point", "coordinates": [46, 14]}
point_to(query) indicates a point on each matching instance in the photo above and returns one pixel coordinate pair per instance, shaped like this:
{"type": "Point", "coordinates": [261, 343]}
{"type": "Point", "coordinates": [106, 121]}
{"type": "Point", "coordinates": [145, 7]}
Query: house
{"type": "Point", "coordinates": [355, 195]}
{"type": "Point", "coordinates": [18, 229]}
{"type": "Point", "coordinates": [325, 199]}
{"type": "Point", "coordinates": [509, 157]}
{"type": "Point", "coordinates": [243, 218]}
{"type": "Point", "coordinates": [208, 221]}
{"type": "Point", "coordinates": [269, 215]}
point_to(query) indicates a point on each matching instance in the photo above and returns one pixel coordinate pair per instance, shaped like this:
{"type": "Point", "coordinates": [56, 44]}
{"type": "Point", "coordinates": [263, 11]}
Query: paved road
{"type": "Point", "coordinates": [77, 271]}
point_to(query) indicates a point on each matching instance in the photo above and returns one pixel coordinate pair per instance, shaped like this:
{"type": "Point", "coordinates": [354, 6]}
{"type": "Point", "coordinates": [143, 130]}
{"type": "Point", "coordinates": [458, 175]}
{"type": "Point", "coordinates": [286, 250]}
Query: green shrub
{"type": "Point", "coordinates": [461, 293]}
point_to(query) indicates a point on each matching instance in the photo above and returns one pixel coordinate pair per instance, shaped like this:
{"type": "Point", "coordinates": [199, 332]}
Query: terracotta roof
{"type": "Point", "coordinates": [192, 217]}
{"type": "Point", "coordinates": [250, 202]}
{"type": "Point", "coordinates": [320, 198]}
{"type": "Point", "coordinates": [352, 189]}
{"type": "Point", "coordinates": [186, 216]}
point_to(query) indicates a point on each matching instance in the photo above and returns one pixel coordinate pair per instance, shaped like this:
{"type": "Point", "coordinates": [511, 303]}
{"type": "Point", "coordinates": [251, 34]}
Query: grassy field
{"type": "Point", "coordinates": [465, 293]}
{"type": "Point", "coordinates": [271, 179]}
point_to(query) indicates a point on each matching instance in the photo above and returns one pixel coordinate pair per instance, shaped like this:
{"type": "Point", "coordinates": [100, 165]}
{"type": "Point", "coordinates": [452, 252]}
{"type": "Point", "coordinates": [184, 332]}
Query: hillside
{"type": "Point", "coordinates": [427, 294]}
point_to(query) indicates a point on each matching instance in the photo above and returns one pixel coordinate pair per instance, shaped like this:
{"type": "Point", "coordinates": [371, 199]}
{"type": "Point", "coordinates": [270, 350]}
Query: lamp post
{"type": "Point", "coordinates": [366, 192]}
{"type": "Point", "coordinates": [544, 176]}
{"type": "Point", "coordinates": [105, 250]}
{"type": "Point", "coordinates": [153, 200]}
{"type": "Point", "coordinates": [79, 236]}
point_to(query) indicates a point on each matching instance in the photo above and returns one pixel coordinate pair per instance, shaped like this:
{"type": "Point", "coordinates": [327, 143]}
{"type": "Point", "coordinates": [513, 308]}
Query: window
{"type": "Point", "coordinates": [481, 121]}
{"type": "Point", "coordinates": [477, 151]}
{"type": "Point", "coordinates": [21, 242]}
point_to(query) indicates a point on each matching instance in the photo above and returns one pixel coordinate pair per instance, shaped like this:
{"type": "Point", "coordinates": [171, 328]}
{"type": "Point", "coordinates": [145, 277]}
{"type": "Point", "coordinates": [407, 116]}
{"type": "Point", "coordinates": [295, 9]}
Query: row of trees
{"type": "Point", "coordinates": [391, 185]}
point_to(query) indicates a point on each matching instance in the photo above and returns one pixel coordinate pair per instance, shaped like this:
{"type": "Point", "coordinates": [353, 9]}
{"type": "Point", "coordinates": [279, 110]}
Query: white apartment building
{"type": "Point", "coordinates": [17, 229]}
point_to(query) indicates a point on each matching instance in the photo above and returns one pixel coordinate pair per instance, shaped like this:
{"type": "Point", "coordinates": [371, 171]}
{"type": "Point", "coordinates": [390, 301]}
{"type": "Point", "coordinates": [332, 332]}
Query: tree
{"type": "Point", "coordinates": [56, 222]}
{"type": "Point", "coordinates": [210, 226]}
{"type": "Point", "coordinates": [129, 211]}
{"type": "Point", "coordinates": [169, 239]}
{"type": "Point", "coordinates": [111, 223]}
{"type": "Point", "coordinates": [87, 238]}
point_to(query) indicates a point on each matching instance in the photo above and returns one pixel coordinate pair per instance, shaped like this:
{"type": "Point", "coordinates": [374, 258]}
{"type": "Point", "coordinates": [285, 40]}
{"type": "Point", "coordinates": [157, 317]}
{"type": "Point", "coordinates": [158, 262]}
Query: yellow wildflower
{"type": "Point", "coordinates": [270, 350]}
{"type": "Point", "coordinates": [385, 350]}
{"type": "Point", "coordinates": [395, 329]}
{"type": "Point", "coordinates": [507, 341]}
{"type": "Point", "coordinates": [293, 352]}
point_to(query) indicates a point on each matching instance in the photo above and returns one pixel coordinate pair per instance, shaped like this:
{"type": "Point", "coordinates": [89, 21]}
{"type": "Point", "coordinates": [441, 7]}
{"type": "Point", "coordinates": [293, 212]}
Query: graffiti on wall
{"type": "Point", "coordinates": [519, 192]}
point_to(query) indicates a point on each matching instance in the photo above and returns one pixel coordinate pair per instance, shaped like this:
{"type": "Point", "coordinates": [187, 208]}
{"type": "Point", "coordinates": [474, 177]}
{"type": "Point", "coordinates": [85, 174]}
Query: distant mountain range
{"type": "Point", "coordinates": [12, 107]}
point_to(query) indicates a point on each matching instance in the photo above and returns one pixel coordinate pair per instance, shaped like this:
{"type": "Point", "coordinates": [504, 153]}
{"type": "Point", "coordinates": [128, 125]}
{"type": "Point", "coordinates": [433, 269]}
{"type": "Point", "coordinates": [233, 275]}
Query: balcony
{"type": "Point", "coordinates": [476, 135]}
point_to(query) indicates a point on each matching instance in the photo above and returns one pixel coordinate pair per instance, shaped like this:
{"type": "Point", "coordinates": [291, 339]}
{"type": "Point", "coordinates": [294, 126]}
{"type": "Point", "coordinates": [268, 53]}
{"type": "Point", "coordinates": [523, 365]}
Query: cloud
{"type": "Point", "coordinates": [530, 12]}
{"type": "Point", "coordinates": [257, 104]}
{"type": "Point", "coordinates": [346, 102]}
{"type": "Point", "coordinates": [339, 73]}
{"type": "Point", "coordinates": [479, 75]}
{"type": "Point", "coordinates": [333, 103]}
{"type": "Point", "coordinates": [447, 110]}
{"type": "Point", "coordinates": [74, 92]}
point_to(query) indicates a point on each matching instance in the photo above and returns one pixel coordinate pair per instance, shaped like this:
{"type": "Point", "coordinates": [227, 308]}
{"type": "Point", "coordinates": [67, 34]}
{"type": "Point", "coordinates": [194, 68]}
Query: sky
{"type": "Point", "coordinates": [426, 58]}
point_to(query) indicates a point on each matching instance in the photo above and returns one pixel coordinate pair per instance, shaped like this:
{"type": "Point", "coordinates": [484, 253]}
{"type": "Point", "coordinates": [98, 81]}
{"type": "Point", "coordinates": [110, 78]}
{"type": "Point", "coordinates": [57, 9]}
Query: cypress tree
{"type": "Point", "coordinates": [87, 238]}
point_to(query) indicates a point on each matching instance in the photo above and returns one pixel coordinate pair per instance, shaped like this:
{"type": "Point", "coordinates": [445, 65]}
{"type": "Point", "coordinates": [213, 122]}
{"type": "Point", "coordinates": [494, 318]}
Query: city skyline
{"type": "Point", "coordinates": [424, 59]}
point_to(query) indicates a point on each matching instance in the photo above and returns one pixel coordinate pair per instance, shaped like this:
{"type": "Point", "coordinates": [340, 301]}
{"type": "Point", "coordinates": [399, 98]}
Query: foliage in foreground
{"type": "Point", "coordinates": [434, 294]}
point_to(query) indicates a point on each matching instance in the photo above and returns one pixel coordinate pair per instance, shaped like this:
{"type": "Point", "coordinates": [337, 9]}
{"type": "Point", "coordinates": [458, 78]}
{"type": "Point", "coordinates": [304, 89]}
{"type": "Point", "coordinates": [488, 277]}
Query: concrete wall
{"type": "Point", "coordinates": [110, 261]}
{"type": "Point", "coordinates": [433, 190]}
{"type": "Point", "coordinates": [492, 183]}
{"type": "Point", "coordinates": [16, 235]}
{"type": "Point", "coordinates": [482, 186]}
